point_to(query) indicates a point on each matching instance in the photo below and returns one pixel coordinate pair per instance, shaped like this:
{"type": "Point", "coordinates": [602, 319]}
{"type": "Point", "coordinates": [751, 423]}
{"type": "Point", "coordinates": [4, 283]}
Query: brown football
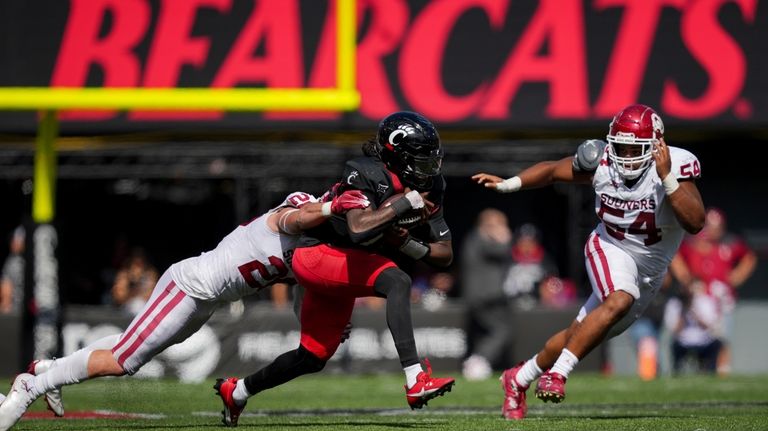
{"type": "Point", "coordinates": [409, 219]}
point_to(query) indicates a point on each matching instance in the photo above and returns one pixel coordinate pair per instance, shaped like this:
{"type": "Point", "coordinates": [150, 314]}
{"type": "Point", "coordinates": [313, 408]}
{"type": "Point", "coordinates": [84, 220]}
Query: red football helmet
{"type": "Point", "coordinates": [631, 136]}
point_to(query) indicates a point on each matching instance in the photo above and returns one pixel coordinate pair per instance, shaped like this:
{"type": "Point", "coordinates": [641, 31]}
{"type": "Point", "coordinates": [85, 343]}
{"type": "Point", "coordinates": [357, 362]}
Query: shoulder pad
{"type": "Point", "coordinates": [588, 155]}
{"type": "Point", "coordinates": [685, 165]}
{"type": "Point", "coordinates": [297, 200]}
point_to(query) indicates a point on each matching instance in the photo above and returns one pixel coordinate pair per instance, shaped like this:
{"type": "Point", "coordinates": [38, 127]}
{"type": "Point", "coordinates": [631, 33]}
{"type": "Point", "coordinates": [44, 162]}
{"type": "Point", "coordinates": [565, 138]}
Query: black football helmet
{"type": "Point", "coordinates": [410, 147]}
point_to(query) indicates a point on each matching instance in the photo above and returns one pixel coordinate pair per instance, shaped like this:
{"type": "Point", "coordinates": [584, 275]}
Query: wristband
{"type": "Point", "coordinates": [401, 206]}
{"type": "Point", "coordinates": [670, 184]}
{"type": "Point", "coordinates": [325, 209]}
{"type": "Point", "coordinates": [414, 249]}
{"type": "Point", "coordinates": [509, 185]}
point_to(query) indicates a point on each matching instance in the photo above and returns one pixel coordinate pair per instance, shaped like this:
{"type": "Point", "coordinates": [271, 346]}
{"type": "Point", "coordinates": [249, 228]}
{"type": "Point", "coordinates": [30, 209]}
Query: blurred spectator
{"type": "Point", "coordinates": [722, 261]}
{"type": "Point", "coordinates": [530, 265]}
{"type": "Point", "coordinates": [485, 257]}
{"type": "Point", "coordinates": [694, 322]}
{"type": "Point", "coordinates": [134, 282]}
{"type": "Point", "coordinates": [12, 279]}
{"type": "Point", "coordinates": [556, 292]}
{"type": "Point", "coordinates": [420, 276]}
{"type": "Point", "coordinates": [440, 285]}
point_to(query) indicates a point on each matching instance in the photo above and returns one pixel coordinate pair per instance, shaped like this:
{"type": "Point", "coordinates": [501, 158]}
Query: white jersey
{"type": "Point", "coordinates": [250, 258]}
{"type": "Point", "coordinates": [639, 219]}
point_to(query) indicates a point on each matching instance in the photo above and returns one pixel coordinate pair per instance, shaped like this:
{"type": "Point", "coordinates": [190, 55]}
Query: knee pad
{"type": "Point", "coordinates": [392, 279]}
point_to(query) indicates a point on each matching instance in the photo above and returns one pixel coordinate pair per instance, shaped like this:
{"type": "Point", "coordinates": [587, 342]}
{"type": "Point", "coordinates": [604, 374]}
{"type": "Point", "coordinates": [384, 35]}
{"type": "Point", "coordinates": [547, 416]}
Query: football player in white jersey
{"type": "Point", "coordinates": [253, 256]}
{"type": "Point", "coordinates": [646, 200]}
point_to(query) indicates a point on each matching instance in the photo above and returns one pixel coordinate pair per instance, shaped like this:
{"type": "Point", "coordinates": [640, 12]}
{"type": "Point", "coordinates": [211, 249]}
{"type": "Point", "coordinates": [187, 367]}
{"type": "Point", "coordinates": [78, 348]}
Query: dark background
{"type": "Point", "coordinates": [177, 187]}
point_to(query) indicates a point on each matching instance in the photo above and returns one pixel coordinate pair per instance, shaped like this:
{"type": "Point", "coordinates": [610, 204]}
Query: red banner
{"type": "Point", "coordinates": [463, 62]}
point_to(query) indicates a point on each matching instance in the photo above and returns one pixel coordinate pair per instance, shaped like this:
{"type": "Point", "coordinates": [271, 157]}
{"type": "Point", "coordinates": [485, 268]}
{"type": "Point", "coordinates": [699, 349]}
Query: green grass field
{"type": "Point", "coordinates": [335, 402]}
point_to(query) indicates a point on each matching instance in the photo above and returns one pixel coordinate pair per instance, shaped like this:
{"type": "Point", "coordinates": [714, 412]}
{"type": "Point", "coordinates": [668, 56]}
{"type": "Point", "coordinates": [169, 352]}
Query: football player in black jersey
{"type": "Point", "coordinates": [365, 254]}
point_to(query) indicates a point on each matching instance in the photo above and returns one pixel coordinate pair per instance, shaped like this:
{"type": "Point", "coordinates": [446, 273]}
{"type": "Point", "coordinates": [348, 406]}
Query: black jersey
{"type": "Point", "coordinates": [370, 176]}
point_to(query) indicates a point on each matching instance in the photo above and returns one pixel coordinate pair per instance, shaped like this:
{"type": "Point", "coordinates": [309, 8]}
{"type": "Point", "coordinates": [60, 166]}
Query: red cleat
{"type": "Point", "coordinates": [551, 387]}
{"type": "Point", "coordinates": [224, 389]}
{"type": "Point", "coordinates": [427, 387]}
{"type": "Point", "coordinates": [514, 407]}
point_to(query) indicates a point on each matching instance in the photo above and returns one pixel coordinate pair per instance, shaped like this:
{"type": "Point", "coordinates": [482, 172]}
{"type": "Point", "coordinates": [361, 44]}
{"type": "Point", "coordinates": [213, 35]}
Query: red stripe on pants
{"type": "Point", "coordinates": [129, 332]}
{"type": "Point", "coordinates": [604, 262]}
{"type": "Point", "coordinates": [151, 327]}
{"type": "Point", "coordinates": [591, 259]}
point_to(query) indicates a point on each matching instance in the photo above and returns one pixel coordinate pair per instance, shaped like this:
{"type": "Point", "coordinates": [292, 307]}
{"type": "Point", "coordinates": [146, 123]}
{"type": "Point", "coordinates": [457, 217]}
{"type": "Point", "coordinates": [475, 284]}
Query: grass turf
{"type": "Point", "coordinates": [361, 403]}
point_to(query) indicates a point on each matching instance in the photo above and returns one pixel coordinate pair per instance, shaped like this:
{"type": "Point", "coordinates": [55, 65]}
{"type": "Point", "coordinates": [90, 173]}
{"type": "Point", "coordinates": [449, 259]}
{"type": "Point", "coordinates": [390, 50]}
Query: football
{"type": "Point", "coordinates": [410, 219]}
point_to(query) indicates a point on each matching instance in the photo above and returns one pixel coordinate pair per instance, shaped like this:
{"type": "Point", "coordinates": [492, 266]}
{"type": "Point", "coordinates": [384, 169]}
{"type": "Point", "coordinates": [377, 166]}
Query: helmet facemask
{"type": "Point", "coordinates": [632, 136]}
{"type": "Point", "coordinates": [419, 170]}
{"type": "Point", "coordinates": [630, 156]}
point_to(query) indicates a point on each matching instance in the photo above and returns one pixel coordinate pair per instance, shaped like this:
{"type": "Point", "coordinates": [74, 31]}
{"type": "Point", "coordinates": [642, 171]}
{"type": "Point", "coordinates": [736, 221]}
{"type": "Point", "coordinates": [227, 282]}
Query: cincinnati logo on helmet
{"type": "Point", "coordinates": [402, 130]}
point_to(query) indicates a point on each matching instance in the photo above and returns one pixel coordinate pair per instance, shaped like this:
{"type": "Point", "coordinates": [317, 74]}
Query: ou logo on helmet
{"type": "Point", "coordinates": [658, 125]}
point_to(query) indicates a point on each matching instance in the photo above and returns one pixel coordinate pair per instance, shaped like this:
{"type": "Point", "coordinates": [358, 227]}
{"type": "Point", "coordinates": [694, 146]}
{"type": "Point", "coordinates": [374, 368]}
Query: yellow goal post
{"type": "Point", "coordinates": [343, 97]}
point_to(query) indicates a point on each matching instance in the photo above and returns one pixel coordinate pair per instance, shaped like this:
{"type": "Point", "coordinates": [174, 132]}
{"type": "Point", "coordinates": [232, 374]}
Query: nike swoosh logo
{"type": "Point", "coordinates": [444, 232]}
{"type": "Point", "coordinates": [423, 392]}
{"type": "Point", "coordinates": [418, 395]}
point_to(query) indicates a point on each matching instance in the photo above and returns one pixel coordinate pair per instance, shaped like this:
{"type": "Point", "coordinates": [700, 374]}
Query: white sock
{"type": "Point", "coordinates": [411, 372]}
{"type": "Point", "coordinates": [241, 393]}
{"type": "Point", "coordinates": [71, 369]}
{"type": "Point", "coordinates": [565, 363]}
{"type": "Point", "coordinates": [529, 372]}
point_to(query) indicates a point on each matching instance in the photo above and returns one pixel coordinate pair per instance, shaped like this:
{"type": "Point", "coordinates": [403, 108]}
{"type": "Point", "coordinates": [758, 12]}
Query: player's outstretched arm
{"type": "Point", "coordinates": [684, 196]}
{"type": "Point", "coordinates": [293, 221]}
{"type": "Point", "coordinates": [539, 175]}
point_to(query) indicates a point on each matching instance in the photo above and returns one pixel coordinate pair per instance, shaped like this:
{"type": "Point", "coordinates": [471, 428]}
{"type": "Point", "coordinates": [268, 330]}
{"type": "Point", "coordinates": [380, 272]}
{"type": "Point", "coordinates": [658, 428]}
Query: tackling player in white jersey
{"type": "Point", "coordinates": [646, 200]}
{"type": "Point", "coordinates": [253, 256]}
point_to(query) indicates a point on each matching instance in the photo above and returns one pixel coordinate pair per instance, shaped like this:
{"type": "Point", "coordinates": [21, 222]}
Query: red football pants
{"type": "Point", "coordinates": [332, 278]}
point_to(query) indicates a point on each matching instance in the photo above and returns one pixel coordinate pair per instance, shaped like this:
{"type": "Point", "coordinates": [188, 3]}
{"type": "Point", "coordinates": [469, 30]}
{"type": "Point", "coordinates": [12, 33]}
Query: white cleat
{"type": "Point", "coordinates": [53, 397]}
{"type": "Point", "coordinates": [17, 401]}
